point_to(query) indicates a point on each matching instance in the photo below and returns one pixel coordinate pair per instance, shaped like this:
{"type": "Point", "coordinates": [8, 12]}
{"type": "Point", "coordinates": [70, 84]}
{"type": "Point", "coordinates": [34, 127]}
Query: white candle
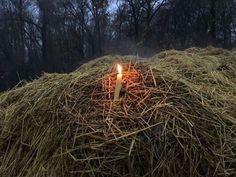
{"type": "Point", "coordinates": [118, 82]}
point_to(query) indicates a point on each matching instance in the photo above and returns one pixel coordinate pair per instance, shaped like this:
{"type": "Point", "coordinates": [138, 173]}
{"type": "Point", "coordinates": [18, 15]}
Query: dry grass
{"type": "Point", "coordinates": [176, 117]}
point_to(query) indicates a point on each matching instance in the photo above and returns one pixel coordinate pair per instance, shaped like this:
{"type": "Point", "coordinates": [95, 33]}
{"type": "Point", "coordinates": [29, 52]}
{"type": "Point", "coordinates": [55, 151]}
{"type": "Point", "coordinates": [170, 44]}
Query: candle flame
{"type": "Point", "coordinates": [119, 68]}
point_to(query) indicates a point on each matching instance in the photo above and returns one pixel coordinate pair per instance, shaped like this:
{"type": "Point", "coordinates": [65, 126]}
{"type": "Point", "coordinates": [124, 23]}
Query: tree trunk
{"type": "Point", "coordinates": [44, 45]}
{"type": "Point", "coordinates": [213, 21]}
{"type": "Point", "coordinates": [226, 28]}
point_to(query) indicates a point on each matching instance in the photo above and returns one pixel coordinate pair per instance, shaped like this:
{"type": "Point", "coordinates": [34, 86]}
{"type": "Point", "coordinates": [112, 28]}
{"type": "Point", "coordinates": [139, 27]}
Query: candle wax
{"type": "Point", "coordinates": [118, 86]}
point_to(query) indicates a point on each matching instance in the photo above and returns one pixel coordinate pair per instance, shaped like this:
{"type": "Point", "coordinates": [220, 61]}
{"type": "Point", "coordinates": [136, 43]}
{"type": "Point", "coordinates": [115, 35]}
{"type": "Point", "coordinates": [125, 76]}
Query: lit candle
{"type": "Point", "coordinates": [118, 82]}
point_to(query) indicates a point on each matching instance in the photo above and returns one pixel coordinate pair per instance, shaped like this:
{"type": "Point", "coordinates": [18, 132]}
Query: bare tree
{"type": "Point", "coordinates": [58, 35]}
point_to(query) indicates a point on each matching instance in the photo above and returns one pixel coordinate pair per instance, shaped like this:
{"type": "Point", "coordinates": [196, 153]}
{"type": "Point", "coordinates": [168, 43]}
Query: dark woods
{"type": "Point", "coordinates": [59, 35]}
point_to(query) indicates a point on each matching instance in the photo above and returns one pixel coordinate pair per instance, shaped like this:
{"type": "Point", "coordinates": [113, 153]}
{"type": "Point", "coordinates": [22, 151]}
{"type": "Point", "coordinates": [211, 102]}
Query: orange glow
{"type": "Point", "coordinates": [119, 68]}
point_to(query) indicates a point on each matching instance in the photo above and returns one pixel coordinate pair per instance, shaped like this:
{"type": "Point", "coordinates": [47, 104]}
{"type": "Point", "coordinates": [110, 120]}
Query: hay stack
{"type": "Point", "coordinates": [177, 117]}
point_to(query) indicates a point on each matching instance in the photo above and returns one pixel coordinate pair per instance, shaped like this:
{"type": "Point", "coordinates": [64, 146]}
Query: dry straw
{"type": "Point", "coordinates": [176, 117]}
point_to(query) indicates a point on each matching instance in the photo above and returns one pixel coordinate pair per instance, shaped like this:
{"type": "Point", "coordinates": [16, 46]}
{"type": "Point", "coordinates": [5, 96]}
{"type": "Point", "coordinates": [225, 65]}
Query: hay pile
{"type": "Point", "coordinates": [177, 117]}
